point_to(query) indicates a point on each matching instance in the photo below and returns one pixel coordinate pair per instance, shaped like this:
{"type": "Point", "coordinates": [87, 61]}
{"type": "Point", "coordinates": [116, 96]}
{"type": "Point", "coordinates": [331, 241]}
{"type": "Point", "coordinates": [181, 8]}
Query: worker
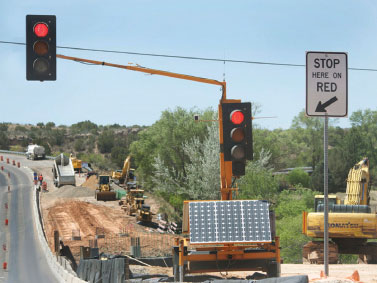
{"type": "Point", "coordinates": [40, 178]}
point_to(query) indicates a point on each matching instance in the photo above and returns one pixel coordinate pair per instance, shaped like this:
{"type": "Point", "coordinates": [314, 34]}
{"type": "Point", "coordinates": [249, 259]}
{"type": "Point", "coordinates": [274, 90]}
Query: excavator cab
{"type": "Point", "coordinates": [104, 191]}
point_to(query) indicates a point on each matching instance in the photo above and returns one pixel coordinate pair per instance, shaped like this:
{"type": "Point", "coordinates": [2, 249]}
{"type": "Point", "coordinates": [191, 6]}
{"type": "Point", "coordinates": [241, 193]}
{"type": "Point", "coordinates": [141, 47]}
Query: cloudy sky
{"type": "Point", "coordinates": [263, 31]}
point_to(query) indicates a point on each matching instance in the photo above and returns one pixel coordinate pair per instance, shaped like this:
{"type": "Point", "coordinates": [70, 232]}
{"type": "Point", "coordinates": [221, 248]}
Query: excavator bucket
{"type": "Point", "coordinates": [105, 195]}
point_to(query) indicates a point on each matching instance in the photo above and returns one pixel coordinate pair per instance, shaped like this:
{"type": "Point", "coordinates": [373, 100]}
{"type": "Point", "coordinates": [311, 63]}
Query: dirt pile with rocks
{"type": "Point", "coordinates": [90, 183]}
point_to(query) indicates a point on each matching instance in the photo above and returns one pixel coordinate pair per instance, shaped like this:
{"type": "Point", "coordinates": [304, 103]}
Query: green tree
{"type": "Point", "coordinates": [258, 182]}
{"type": "Point", "coordinates": [310, 132]}
{"type": "Point", "coordinates": [79, 145]}
{"type": "Point", "coordinates": [84, 127]}
{"type": "Point", "coordinates": [106, 141]}
{"type": "Point", "coordinates": [289, 208]}
{"type": "Point", "coordinates": [164, 139]}
{"type": "Point", "coordinates": [201, 180]}
{"type": "Point", "coordinates": [298, 177]}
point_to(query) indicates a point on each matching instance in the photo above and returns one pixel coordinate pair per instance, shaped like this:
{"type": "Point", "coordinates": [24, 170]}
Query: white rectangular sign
{"type": "Point", "coordinates": [326, 84]}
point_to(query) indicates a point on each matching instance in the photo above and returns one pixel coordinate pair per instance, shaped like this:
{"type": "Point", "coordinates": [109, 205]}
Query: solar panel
{"type": "Point", "coordinates": [229, 221]}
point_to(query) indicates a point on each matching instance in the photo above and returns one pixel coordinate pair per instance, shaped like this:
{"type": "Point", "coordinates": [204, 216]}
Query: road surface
{"type": "Point", "coordinates": [26, 260]}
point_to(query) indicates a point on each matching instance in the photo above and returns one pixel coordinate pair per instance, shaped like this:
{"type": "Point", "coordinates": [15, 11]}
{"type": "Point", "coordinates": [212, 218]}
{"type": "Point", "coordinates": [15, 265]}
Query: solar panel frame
{"type": "Point", "coordinates": [233, 221]}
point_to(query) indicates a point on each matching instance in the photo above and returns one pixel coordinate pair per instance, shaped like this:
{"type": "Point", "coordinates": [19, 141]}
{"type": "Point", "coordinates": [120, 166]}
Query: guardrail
{"type": "Point", "coordinates": [21, 153]}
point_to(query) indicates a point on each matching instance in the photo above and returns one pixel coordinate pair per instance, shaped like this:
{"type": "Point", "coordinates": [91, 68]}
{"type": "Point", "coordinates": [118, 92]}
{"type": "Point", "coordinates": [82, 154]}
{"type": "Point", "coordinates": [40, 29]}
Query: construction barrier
{"type": "Point", "coordinates": [14, 162]}
{"type": "Point", "coordinates": [8, 160]}
{"type": "Point", "coordinates": [18, 164]}
{"type": "Point", "coordinates": [5, 265]}
{"type": "Point", "coordinates": [6, 221]}
{"type": "Point", "coordinates": [1, 158]}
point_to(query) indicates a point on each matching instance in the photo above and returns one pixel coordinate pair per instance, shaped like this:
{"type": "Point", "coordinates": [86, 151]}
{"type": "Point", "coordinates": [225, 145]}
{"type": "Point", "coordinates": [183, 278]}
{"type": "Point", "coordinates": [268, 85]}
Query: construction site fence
{"type": "Point", "coordinates": [148, 244]}
{"type": "Point", "coordinates": [106, 271]}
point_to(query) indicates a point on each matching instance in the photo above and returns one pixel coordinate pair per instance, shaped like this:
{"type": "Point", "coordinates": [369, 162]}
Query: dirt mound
{"type": "Point", "coordinates": [91, 183]}
{"type": "Point", "coordinates": [71, 192]}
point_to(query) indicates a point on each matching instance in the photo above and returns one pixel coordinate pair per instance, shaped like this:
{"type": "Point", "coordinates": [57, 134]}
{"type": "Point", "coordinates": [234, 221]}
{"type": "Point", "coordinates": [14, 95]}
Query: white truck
{"type": "Point", "coordinates": [63, 171]}
{"type": "Point", "coordinates": [35, 152]}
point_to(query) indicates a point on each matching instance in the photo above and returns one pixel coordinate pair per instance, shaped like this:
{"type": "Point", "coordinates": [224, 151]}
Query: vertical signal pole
{"type": "Point", "coordinates": [326, 204]}
{"type": "Point", "coordinates": [225, 167]}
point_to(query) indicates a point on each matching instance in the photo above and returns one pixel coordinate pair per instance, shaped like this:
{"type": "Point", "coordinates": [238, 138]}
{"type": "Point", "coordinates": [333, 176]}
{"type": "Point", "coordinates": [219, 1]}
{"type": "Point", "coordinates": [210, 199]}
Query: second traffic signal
{"type": "Point", "coordinates": [237, 135]}
{"type": "Point", "coordinates": [40, 47]}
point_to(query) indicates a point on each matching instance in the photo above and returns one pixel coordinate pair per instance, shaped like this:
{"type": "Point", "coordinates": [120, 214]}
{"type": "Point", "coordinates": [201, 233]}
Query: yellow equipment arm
{"type": "Point", "coordinates": [126, 167]}
{"type": "Point", "coordinates": [225, 166]}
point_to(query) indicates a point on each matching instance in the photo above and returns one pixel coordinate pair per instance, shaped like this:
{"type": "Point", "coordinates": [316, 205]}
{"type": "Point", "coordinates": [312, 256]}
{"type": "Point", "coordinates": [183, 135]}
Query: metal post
{"type": "Point", "coordinates": [326, 204]}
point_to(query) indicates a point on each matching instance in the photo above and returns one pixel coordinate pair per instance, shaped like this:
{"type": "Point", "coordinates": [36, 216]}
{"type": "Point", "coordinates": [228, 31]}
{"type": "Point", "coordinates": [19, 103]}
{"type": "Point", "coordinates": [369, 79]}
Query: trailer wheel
{"type": "Point", "coordinates": [273, 269]}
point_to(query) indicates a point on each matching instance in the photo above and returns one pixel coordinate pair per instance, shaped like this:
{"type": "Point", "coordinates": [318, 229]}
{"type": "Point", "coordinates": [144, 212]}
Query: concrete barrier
{"type": "Point", "coordinates": [62, 274]}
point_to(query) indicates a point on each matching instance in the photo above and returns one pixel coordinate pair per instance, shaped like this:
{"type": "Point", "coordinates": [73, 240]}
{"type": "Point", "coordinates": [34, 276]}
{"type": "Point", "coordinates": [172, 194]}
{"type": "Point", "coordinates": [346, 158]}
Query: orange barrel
{"type": "Point", "coordinates": [5, 265]}
{"type": "Point", "coordinates": [18, 164]}
{"type": "Point", "coordinates": [6, 221]}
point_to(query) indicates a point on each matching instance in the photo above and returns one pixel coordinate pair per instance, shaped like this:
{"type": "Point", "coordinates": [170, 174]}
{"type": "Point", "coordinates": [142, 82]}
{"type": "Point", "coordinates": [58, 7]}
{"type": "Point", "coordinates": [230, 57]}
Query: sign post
{"type": "Point", "coordinates": [326, 96]}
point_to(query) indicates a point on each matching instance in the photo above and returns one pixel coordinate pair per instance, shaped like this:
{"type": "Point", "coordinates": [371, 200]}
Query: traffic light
{"type": "Point", "coordinates": [237, 135]}
{"type": "Point", "coordinates": [40, 47]}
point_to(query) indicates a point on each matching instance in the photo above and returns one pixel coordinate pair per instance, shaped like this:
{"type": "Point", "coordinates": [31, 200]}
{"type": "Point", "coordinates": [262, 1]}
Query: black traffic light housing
{"type": "Point", "coordinates": [237, 135]}
{"type": "Point", "coordinates": [41, 47]}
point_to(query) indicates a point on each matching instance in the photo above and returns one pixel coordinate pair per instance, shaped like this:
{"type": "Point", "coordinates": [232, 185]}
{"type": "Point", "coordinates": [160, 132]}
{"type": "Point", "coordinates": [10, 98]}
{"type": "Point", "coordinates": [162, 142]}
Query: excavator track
{"type": "Point", "coordinates": [313, 253]}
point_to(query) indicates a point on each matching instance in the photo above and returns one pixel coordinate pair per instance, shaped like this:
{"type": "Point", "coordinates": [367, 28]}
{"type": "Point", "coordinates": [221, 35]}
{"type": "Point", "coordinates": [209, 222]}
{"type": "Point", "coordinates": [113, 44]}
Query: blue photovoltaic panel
{"type": "Point", "coordinates": [229, 221]}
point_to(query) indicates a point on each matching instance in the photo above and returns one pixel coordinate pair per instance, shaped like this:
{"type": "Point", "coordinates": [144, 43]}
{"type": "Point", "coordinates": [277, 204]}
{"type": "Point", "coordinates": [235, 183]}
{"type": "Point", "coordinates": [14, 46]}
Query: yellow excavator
{"type": "Point", "coordinates": [351, 224]}
{"type": "Point", "coordinates": [121, 177]}
{"type": "Point", "coordinates": [104, 191]}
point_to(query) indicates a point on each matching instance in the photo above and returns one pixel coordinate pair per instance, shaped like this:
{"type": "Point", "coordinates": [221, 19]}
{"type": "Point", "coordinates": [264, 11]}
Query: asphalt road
{"type": "Point", "coordinates": [26, 262]}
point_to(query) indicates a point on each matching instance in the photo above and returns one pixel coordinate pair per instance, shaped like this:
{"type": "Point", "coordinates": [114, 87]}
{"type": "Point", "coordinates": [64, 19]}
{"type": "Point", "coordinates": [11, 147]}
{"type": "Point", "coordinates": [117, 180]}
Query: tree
{"type": "Point", "coordinates": [201, 180]}
{"type": "Point", "coordinates": [298, 177]}
{"type": "Point", "coordinates": [106, 141]}
{"type": "Point", "coordinates": [309, 131]}
{"type": "Point", "coordinates": [258, 182]}
{"type": "Point", "coordinates": [164, 139]}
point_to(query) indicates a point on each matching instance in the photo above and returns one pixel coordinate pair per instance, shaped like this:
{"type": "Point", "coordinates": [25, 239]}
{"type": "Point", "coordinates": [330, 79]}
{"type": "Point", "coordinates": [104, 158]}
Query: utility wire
{"type": "Point", "coordinates": [185, 57]}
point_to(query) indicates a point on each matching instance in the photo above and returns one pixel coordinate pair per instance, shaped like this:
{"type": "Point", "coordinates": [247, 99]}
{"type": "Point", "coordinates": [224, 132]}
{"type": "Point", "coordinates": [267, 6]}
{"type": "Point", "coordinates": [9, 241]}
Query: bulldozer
{"type": "Point", "coordinates": [351, 224]}
{"type": "Point", "coordinates": [134, 204]}
{"type": "Point", "coordinates": [104, 191]}
{"type": "Point", "coordinates": [121, 177]}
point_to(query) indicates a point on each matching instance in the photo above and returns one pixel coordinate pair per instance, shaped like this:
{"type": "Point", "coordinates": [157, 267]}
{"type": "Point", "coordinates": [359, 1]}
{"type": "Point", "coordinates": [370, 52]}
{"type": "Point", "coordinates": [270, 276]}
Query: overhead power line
{"type": "Point", "coordinates": [184, 57]}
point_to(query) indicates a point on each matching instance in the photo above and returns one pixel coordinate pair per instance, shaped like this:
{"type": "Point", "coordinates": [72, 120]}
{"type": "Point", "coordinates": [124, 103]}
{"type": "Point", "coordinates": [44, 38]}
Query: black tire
{"type": "Point", "coordinates": [273, 269]}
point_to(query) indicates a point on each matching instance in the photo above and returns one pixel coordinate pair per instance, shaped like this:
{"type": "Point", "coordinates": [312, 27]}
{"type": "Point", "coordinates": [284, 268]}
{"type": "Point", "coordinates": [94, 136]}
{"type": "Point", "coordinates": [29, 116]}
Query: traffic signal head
{"type": "Point", "coordinates": [40, 48]}
{"type": "Point", "coordinates": [237, 135]}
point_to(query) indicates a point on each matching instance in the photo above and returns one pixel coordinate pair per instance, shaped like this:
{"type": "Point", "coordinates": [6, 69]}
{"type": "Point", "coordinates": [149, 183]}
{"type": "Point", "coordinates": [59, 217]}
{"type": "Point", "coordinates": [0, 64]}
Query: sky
{"type": "Point", "coordinates": [266, 31]}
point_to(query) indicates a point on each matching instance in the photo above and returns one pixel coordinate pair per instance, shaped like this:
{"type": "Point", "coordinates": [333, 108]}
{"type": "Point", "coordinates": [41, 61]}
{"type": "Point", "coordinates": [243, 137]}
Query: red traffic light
{"type": "Point", "coordinates": [41, 29]}
{"type": "Point", "coordinates": [237, 117]}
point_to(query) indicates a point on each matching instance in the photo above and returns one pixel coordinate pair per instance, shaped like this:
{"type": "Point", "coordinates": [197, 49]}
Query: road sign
{"type": "Point", "coordinates": [326, 84]}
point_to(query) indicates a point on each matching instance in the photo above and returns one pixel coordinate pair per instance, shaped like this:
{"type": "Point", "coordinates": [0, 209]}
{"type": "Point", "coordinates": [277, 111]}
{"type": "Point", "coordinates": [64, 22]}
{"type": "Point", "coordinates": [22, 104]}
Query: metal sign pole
{"type": "Point", "coordinates": [326, 204]}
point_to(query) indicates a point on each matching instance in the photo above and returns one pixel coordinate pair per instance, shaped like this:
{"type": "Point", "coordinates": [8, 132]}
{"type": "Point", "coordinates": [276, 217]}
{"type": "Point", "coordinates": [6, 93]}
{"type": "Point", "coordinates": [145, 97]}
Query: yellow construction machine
{"type": "Point", "coordinates": [104, 191]}
{"type": "Point", "coordinates": [121, 177]}
{"type": "Point", "coordinates": [351, 224]}
{"type": "Point", "coordinates": [77, 163]}
{"type": "Point", "coordinates": [134, 204]}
